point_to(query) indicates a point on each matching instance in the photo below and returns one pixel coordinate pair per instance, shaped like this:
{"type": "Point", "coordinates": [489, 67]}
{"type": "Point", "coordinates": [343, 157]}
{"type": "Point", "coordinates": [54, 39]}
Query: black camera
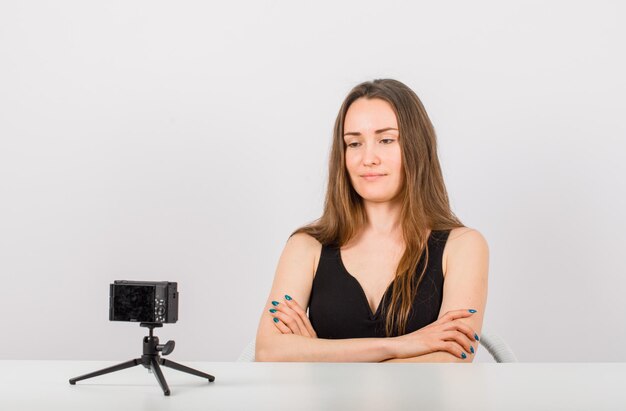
{"type": "Point", "coordinates": [143, 301]}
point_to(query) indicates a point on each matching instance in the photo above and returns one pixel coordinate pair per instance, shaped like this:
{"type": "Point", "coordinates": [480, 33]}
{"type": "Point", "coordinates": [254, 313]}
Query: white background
{"type": "Point", "coordinates": [185, 141]}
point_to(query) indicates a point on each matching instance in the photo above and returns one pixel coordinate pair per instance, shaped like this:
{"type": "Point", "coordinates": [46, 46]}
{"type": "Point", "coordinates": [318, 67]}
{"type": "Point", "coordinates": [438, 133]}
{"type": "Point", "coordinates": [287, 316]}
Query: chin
{"type": "Point", "coordinates": [377, 197]}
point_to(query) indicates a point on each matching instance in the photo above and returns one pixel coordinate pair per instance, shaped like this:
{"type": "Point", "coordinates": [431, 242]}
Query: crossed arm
{"type": "Point", "coordinates": [287, 335]}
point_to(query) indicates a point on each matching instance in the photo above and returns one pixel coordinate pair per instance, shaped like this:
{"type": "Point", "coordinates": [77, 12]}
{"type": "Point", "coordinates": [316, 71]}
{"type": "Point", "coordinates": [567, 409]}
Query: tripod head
{"type": "Point", "coordinates": [151, 346]}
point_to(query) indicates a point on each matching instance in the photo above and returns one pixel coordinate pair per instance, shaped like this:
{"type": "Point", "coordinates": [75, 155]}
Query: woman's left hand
{"type": "Point", "coordinates": [290, 318]}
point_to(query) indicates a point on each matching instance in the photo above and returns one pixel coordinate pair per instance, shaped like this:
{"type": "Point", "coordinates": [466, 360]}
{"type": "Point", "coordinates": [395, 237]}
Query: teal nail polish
{"type": "Point", "coordinates": [472, 349]}
{"type": "Point", "coordinates": [274, 303]}
{"type": "Point", "coordinates": [275, 319]}
{"type": "Point", "coordinates": [472, 311]}
{"type": "Point", "coordinates": [463, 355]}
{"type": "Point", "coordinates": [287, 297]}
{"type": "Point", "coordinates": [272, 310]}
{"type": "Point", "coordinates": [476, 337]}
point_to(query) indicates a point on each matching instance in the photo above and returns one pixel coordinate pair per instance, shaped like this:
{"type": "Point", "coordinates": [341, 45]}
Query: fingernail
{"type": "Point", "coordinates": [272, 310]}
{"type": "Point", "coordinates": [472, 349]}
{"type": "Point", "coordinates": [463, 355]}
{"type": "Point", "coordinates": [275, 319]}
{"type": "Point", "coordinates": [287, 297]}
{"type": "Point", "coordinates": [472, 311]}
{"type": "Point", "coordinates": [476, 337]}
{"type": "Point", "coordinates": [274, 303]}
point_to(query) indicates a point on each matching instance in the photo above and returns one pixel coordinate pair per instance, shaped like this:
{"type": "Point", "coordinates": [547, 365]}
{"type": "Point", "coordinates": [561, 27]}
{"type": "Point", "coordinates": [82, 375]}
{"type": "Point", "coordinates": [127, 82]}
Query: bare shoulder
{"type": "Point", "coordinates": [466, 236]}
{"type": "Point", "coordinates": [303, 243]}
{"type": "Point", "coordinates": [304, 240]}
{"type": "Point", "coordinates": [464, 243]}
{"type": "Point", "coordinates": [305, 247]}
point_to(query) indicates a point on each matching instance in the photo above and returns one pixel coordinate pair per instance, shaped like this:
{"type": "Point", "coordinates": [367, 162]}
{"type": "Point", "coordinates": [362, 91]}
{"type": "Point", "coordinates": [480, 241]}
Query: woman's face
{"type": "Point", "coordinates": [372, 149]}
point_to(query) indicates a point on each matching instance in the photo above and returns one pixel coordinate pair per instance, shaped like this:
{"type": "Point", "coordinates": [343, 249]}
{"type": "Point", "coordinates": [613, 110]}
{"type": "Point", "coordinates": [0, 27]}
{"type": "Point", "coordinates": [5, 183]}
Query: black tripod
{"type": "Point", "coordinates": [151, 360]}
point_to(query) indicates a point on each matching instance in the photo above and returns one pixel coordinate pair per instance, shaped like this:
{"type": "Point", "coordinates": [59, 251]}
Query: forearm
{"type": "Point", "coordinates": [291, 347]}
{"type": "Point", "coordinates": [437, 356]}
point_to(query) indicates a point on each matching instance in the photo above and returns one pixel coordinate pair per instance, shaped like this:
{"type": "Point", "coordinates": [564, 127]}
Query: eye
{"type": "Point", "coordinates": [387, 140]}
{"type": "Point", "coordinates": [353, 145]}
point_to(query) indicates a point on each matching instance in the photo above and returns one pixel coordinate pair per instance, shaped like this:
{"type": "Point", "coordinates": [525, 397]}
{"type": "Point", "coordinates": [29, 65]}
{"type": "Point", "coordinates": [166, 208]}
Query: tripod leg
{"type": "Point", "coordinates": [159, 376]}
{"type": "Point", "coordinates": [118, 367]}
{"type": "Point", "coordinates": [188, 370]}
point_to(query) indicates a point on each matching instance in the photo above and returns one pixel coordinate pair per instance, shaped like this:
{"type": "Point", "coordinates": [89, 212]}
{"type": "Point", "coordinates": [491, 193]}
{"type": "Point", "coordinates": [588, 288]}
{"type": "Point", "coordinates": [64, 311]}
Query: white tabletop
{"type": "Point", "coordinates": [30, 385]}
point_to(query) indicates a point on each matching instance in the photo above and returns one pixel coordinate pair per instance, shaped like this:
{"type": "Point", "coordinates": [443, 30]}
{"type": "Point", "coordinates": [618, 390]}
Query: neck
{"type": "Point", "coordinates": [383, 219]}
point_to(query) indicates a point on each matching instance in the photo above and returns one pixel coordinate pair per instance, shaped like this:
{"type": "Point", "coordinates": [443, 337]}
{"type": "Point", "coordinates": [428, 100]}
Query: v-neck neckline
{"type": "Point", "coordinates": [372, 315]}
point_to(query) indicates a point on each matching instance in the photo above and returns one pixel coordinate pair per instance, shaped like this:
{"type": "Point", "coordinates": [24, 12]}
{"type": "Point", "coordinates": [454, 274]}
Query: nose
{"type": "Point", "coordinates": [370, 156]}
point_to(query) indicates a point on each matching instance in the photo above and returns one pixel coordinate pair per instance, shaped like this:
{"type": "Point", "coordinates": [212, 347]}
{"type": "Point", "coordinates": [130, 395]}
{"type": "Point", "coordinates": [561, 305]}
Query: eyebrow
{"type": "Point", "coordinates": [382, 130]}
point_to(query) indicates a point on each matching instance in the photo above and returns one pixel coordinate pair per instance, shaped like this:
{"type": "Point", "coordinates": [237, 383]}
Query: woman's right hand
{"type": "Point", "coordinates": [447, 334]}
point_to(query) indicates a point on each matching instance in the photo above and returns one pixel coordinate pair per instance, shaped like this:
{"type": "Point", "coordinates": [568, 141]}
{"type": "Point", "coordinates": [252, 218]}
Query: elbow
{"type": "Point", "coordinates": [261, 355]}
{"type": "Point", "coordinates": [264, 353]}
{"type": "Point", "coordinates": [274, 349]}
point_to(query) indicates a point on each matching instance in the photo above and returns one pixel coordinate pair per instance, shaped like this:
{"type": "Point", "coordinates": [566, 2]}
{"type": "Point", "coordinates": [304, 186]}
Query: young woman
{"type": "Point", "coordinates": [388, 273]}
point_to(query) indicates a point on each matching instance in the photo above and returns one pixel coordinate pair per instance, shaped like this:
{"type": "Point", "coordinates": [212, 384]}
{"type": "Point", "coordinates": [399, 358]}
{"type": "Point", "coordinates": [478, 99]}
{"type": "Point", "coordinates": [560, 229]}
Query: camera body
{"type": "Point", "coordinates": [143, 301]}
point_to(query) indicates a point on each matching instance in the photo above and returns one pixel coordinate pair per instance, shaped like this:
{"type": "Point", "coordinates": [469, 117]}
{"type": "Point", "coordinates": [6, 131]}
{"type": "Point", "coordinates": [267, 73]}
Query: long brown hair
{"type": "Point", "coordinates": [425, 203]}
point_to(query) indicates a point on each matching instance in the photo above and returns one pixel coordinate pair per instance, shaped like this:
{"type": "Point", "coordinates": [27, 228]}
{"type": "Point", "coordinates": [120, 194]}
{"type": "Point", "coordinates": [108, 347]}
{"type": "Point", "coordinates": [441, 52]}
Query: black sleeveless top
{"type": "Point", "coordinates": [338, 306]}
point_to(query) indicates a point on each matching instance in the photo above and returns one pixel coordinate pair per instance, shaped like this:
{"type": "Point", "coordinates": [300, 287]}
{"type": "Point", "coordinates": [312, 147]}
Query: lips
{"type": "Point", "coordinates": [372, 176]}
